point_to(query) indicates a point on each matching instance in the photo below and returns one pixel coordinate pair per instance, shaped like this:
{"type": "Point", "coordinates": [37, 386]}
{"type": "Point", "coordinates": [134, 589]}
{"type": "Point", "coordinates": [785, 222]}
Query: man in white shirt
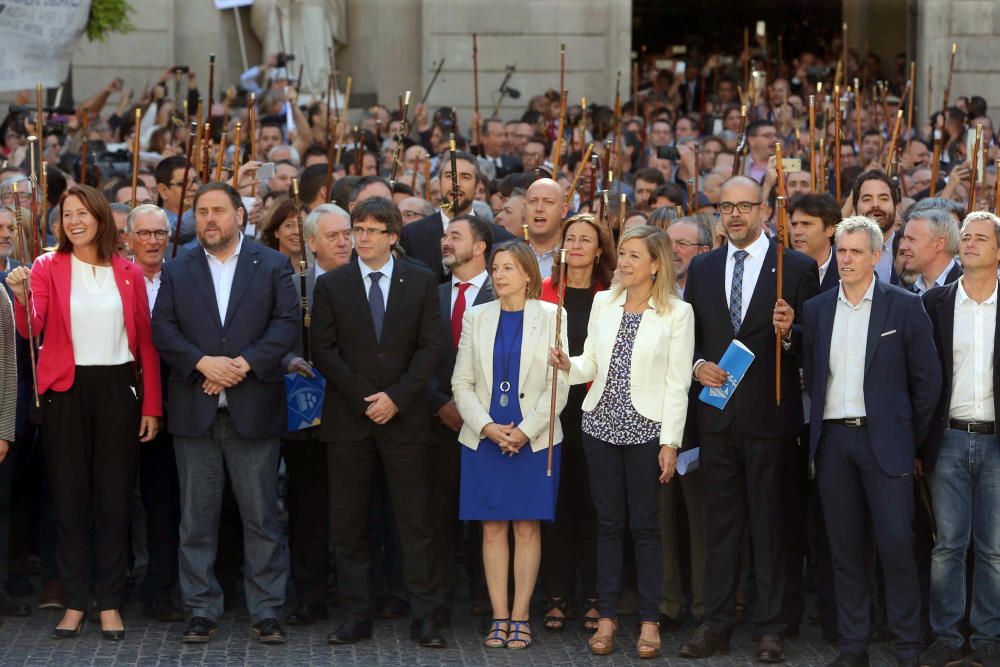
{"type": "Point", "coordinates": [962, 456]}
{"type": "Point", "coordinates": [928, 249]}
{"type": "Point", "coordinates": [813, 219]}
{"type": "Point", "coordinates": [875, 197]}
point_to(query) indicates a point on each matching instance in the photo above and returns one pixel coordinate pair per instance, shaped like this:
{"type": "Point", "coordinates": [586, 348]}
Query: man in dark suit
{"type": "Point", "coordinates": [812, 219]}
{"type": "Point", "coordinates": [876, 197]}
{"type": "Point", "coordinates": [494, 158]}
{"type": "Point", "coordinates": [733, 290]}
{"type": "Point", "coordinates": [928, 249]}
{"type": "Point", "coordinates": [328, 232]}
{"type": "Point", "coordinates": [962, 456]}
{"type": "Point", "coordinates": [225, 317]}
{"type": "Point", "coordinates": [375, 337]}
{"type": "Point", "coordinates": [422, 239]}
{"type": "Point", "coordinates": [466, 248]}
{"type": "Point", "coordinates": [866, 351]}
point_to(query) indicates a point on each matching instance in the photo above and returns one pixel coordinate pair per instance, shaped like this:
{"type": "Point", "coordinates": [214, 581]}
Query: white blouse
{"type": "Point", "coordinates": [97, 317]}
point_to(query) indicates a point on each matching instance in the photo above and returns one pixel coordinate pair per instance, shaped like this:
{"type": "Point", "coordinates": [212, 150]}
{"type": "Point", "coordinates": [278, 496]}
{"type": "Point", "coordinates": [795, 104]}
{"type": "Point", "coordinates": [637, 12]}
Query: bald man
{"type": "Point", "coordinates": [544, 212]}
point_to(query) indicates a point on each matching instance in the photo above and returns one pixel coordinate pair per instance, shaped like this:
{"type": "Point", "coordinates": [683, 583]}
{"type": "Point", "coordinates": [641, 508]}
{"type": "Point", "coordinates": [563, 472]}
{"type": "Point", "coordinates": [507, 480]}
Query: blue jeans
{"type": "Point", "coordinates": [252, 466]}
{"type": "Point", "coordinates": [965, 486]}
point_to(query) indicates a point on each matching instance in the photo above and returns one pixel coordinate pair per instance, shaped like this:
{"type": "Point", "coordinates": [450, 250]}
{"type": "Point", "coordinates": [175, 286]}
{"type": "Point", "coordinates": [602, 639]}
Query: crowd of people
{"type": "Point", "coordinates": [512, 338]}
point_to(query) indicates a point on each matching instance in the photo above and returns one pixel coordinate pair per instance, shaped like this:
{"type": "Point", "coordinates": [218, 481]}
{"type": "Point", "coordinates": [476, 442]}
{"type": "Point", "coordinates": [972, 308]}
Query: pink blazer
{"type": "Point", "coordinates": [50, 284]}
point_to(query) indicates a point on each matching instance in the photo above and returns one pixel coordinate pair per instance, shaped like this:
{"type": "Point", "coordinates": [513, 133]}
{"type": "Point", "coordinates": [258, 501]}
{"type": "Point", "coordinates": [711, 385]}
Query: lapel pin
{"type": "Point", "coordinates": [127, 282]}
{"type": "Point", "coordinates": [772, 269]}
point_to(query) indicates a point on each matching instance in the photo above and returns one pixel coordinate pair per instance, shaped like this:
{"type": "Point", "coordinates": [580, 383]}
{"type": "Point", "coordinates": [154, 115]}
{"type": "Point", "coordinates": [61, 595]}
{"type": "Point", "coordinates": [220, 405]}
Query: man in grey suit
{"type": "Point", "coordinates": [327, 230]}
{"type": "Point", "coordinates": [465, 249]}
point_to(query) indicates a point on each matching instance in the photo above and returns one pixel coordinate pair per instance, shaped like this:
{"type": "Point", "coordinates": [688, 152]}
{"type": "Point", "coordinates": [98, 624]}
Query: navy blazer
{"type": "Point", "coordinates": [752, 405]}
{"type": "Point", "coordinates": [831, 279]}
{"type": "Point", "coordinates": [262, 325]}
{"type": "Point", "coordinates": [953, 275]}
{"type": "Point", "coordinates": [439, 386]}
{"type": "Point", "coordinates": [901, 381]}
{"type": "Point", "coordinates": [421, 239]}
{"type": "Point", "coordinates": [939, 303]}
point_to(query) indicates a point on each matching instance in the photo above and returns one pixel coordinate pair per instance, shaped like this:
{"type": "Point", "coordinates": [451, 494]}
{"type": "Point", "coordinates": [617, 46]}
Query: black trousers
{"type": "Point", "coordinates": [351, 468]}
{"type": "Point", "coordinates": [795, 490]}
{"type": "Point", "coordinates": [445, 468]}
{"type": "Point", "coordinates": [742, 477]}
{"type": "Point", "coordinates": [161, 500]}
{"type": "Point", "coordinates": [90, 439]}
{"type": "Point", "coordinates": [307, 500]}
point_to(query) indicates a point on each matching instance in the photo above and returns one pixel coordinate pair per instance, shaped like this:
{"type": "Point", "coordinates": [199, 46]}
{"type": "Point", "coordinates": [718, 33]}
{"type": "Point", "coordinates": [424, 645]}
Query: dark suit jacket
{"type": "Point", "coordinates": [831, 280]}
{"type": "Point", "coordinates": [901, 383]}
{"type": "Point", "coordinates": [940, 306]}
{"type": "Point", "coordinates": [439, 387]}
{"type": "Point", "coordinates": [953, 275]}
{"type": "Point", "coordinates": [421, 239]}
{"type": "Point", "coordinates": [508, 165]}
{"type": "Point", "coordinates": [356, 364]}
{"type": "Point", "coordinates": [752, 405]}
{"type": "Point", "coordinates": [262, 323]}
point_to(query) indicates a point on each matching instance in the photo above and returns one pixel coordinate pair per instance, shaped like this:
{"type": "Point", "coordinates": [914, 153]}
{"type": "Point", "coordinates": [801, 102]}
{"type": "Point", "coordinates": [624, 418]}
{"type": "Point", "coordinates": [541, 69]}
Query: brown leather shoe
{"type": "Point", "coordinates": [770, 650]}
{"type": "Point", "coordinates": [704, 644]}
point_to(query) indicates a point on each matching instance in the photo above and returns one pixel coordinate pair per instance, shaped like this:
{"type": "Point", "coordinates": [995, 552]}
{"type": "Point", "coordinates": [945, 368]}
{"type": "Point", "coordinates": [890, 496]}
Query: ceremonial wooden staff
{"type": "Point", "coordinates": [33, 177]}
{"type": "Point", "coordinates": [524, 231]}
{"type": "Point", "coordinates": [184, 186]}
{"type": "Point", "coordinates": [859, 104]}
{"type": "Point", "coordinates": [562, 67]}
{"type": "Point", "coordinates": [836, 140]}
{"type": "Point", "coordinates": [456, 192]}
{"type": "Point", "coordinates": [581, 126]}
{"type": "Point", "coordinates": [883, 93]}
{"type": "Point", "coordinates": [557, 149]}
{"type": "Point", "coordinates": [359, 151]}
{"type": "Point", "coordinates": [893, 144]}
{"type": "Point", "coordinates": [947, 86]}
{"type": "Point", "coordinates": [622, 210]}
{"type": "Point", "coordinates": [779, 169]}
{"type": "Point", "coordinates": [996, 193]}
{"type": "Point", "coordinates": [595, 173]}
{"type": "Point", "coordinates": [347, 119]}
{"type": "Point", "coordinates": [427, 92]}
{"type": "Point", "coordinates": [331, 121]}
{"type": "Point", "coordinates": [211, 88]}
{"type": "Point", "coordinates": [603, 214]}
{"type": "Point", "coordinates": [579, 172]}
{"type": "Point", "coordinates": [135, 155]}
{"type": "Point", "coordinates": [476, 139]}
{"type": "Point", "coordinates": [911, 85]}
{"type": "Point", "coordinates": [616, 127]}
{"type": "Point", "coordinates": [741, 143]}
{"type": "Point", "coordinates": [843, 51]}
{"type": "Point", "coordinates": [237, 155]}
{"type": "Point", "coordinates": [219, 160]}
{"type": "Point", "coordinates": [19, 242]}
{"type": "Point", "coordinates": [635, 89]}
{"type": "Point", "coordinates": [812, 143]}
{"type": "Point", "coordinates": [43, 177]}
{"type": "Point", "coordinates": [85, 127]}
{"type": "Point", "coordinates": [427, 178]}
{"type": "Point", "coordinates": [782, 241]}
{"type": "Point", "coordinates": [252, 131]}
{"type": "Point", "coordinates": [400, 133]}
{"type": "Point", "coordinates": [197, 139]}
{"type": "Point", "coordinates": [303, 267]}
{"type": "Point", "coordinates": [746, 63]}
{"type": "Point", "coordinates": [416, 168]}
{"type": "Point", "coordinates": [975, 168]}
{"type": "Point", "coordinates": [935, 161]}
{"type": "Point", "coordinates": [558, 346]}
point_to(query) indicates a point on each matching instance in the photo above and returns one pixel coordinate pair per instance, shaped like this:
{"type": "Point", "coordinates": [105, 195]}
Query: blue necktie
{"type": "Point", "coordinates": [736, 291]}
{"type": "Point", "coordinates": [377, 303]}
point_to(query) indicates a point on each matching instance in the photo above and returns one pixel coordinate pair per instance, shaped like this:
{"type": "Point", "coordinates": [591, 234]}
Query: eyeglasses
{"type": "Point", "coordinates": [687, 244]}
{"type": "Point", "coordinates": [191, 183]}
{"type": "Point", "coordinates": [368, 231]}
{"type": "Point", "coordinates": [146, 234]}
{"type": "Point", "coordinates": [744, 206]}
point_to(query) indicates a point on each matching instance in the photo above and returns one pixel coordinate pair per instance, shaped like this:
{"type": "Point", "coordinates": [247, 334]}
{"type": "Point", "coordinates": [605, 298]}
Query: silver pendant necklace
{"type": "Point", "coordinates": [507, 353]}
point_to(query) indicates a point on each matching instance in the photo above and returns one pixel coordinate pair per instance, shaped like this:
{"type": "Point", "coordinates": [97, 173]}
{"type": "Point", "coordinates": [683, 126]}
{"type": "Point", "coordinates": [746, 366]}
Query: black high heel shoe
{"type": "Point", "coordinates": [113, 635]}
{"type": "Point", "coordinates": [70, 633]}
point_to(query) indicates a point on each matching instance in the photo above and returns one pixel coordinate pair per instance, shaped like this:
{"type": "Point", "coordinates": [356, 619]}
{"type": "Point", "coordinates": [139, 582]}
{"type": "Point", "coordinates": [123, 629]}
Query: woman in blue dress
{"type": "Point", "coordinates": [503, 386]}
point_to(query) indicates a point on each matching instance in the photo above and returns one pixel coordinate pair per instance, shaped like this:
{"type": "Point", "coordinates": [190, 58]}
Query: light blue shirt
{"type": "Point", "coordinates": [383, 282]}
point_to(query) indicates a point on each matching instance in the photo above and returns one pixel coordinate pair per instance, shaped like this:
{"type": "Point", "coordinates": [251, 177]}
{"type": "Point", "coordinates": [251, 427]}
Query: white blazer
{"type": "Point", "coordinates": [662, 357]}
{"type": "Point", "coordinates": [472, 381]}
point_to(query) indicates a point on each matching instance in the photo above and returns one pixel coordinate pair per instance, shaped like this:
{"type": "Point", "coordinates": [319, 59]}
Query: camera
{"type": "Point", "coordinates": [668, 153]}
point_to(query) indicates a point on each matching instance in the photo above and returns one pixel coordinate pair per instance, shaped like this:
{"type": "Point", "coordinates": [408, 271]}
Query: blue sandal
{"type": "Point", "coordinates": [518, 635]}
{"type": "Point", "coordinates": [497, 636]}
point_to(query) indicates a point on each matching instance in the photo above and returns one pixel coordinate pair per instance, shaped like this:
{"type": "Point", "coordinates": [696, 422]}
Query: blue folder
{"type": "Point", "coordinates": [735, 362]}
{"type": "Point", "coordinates": [304, 396]}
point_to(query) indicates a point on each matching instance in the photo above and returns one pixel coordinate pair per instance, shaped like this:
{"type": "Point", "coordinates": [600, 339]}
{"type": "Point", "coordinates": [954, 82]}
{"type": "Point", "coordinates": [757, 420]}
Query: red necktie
{"type": "Point", "coordinates": [457, 312]}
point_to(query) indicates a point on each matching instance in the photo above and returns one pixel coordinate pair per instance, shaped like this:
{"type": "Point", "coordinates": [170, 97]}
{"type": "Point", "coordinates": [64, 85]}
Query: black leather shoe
{"type": "Point", "coordinates": [70, 633]}
{"type": "Point", "coordinates": [163, 610]}
{"type": "Point", "coordinates": [423, 631]}
{"type": "Point", "coordinates": [770, 650]}
{"type": "Point", "coordinates": [850, 660]}
{"type": "Point", "coordinates": [11, 607]}
{"type": "Point", "coordinates": [199, 630]}
{"type": "Point", "coordinates": [308, 614]}
{"type": "Point", "coordinates": [704, 644]}
{"type": "Point", "coordinates": [393, 608]}
{"type": "Point", "coordinates": [442, 616]}
{"type": "Point", "coordinates": [986, 655]}
{"type": "Point", "coordinates": [939, 654]}
{"type": "Point", "coordinates": [350, 632]}
{"type": "Point", "coordinates": [269, 632]}
{"type": "Point", "coordinates": [113, 635]}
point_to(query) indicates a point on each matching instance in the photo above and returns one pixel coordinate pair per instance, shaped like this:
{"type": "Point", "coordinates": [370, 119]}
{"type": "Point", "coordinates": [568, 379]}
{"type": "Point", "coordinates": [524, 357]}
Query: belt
{"type": "Point", "coordinates": [852, 422]}
{"type": "Point", "coordinates": [972, 427]}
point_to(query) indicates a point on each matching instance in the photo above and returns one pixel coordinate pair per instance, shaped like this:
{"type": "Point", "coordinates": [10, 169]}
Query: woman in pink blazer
{"type": "Point", "coordinates": [99, 386]}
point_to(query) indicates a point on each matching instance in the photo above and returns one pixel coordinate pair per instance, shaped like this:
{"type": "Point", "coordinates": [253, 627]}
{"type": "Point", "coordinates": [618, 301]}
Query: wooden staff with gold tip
{"type": "Point", "coordinates": [579, 172]}
{"type": "Point", "coordinates": [476, 139]}
{"type": "Point", "coordinates": [206, 156]}
{"type": "Point", "coordinates": [303, 267]}
{"type": "Point", "coordinates": [935, 161]}
{"type": "Point", "coordinates": [782, 240]}
{"type": "Point", "coordinates": [741, 143]}
{"type": "Point", "coordinates": [346, 117]}
{"type": "Point", "coordinates": [947, 86]}
{"type": "Point", "coordinates": [237, 155]}
{"type": "Point", "coordinates": [524, 231]}
{"type": "Point", "coordinates": [779, 170]}
{"type": "Point", "coordinates": [996, 193]}
{"type": "Point", "coordinates": [221, 158]}
{"type": "Point", "coordinates": [562, 67]}
{"type": "Point", "coordinates": [33, 177]}
{"type": "Point", "coordinates": [836, 140]}
{"type": "Point", "coordinates": [555, 371]}
{"type": "Point", "coordinates": [557, 149]}
{"type": "Point", "coordinates": [211, 89]}
{"type": "Point", "coordinates": [19, 244]}
{"type": "Point", "coordinates": [812, 143]}
{"type": "Point", "coordinates": [43, 176]}
{"type": "Point", "coordinates": [622, 209]}
{"type": "Point", "coordinates": [184, 187]}
{"type": "Point", "coordinates": [135, 156]}
{"type": "Point", "coordinates": [427, 178]}
{"type": "Point", "coordinates": [975, 169]}
{"type": "Point", "coordinates": [890, 159]}
{"type": "Point", "coordinates": [911, 85]}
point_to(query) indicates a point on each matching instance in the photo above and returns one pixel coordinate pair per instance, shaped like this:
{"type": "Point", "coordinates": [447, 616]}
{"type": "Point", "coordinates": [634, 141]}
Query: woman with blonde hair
{"type": "Point", "coordinates": [638, 354]}
{"type": "Point", "coordinates": [502, 387]}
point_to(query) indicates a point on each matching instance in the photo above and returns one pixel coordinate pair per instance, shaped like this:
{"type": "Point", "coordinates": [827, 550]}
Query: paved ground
{"type": "Point", "coordinates": [27, 642]}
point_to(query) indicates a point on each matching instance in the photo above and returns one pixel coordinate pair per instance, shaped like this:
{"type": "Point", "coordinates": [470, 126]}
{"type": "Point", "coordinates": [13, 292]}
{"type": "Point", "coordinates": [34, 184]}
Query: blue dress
{"type": "Point", "coordinates": [494, 486]}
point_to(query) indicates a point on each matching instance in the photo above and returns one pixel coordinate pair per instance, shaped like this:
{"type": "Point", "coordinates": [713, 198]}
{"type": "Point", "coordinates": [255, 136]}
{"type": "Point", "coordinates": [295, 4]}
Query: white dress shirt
{"type": "Point", "coordinates": [845, 383]}
{"type": "Point", "coordinates": [471, 292]}
{"type": "Point", "coordinates": [824, 266]}
{"type": "Point", "coordinates": [884, 266]}
{"type": "Point", "coordinates": [972, 358]}
{"type": "Point", "coordinates": [222, 279]}
{"type": "Point", "coordinates": [97, 320]}
{"type": "Point", "coordinates": [938, 282]}
{"type": "Point", "coordinates": [383, 282]}
{"type": "Point", "coordinates": [752, 264]}
{"type": "Point", "coordinates": [152, 289]}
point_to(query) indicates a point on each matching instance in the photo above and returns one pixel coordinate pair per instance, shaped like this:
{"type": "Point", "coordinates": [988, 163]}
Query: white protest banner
{"type": "Point", "coordinates": [38, 38]}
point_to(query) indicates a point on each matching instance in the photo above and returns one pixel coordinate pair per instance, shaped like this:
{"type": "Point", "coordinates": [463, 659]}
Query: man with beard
{"type": "Point", "coordinates": [422, 239]}
{"type": "Point", "coordinates": [225, 317]}
{"type": "Point", "coordinates": [875, 197]}
{"type": "Point", "coordinates": [465, 248]}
